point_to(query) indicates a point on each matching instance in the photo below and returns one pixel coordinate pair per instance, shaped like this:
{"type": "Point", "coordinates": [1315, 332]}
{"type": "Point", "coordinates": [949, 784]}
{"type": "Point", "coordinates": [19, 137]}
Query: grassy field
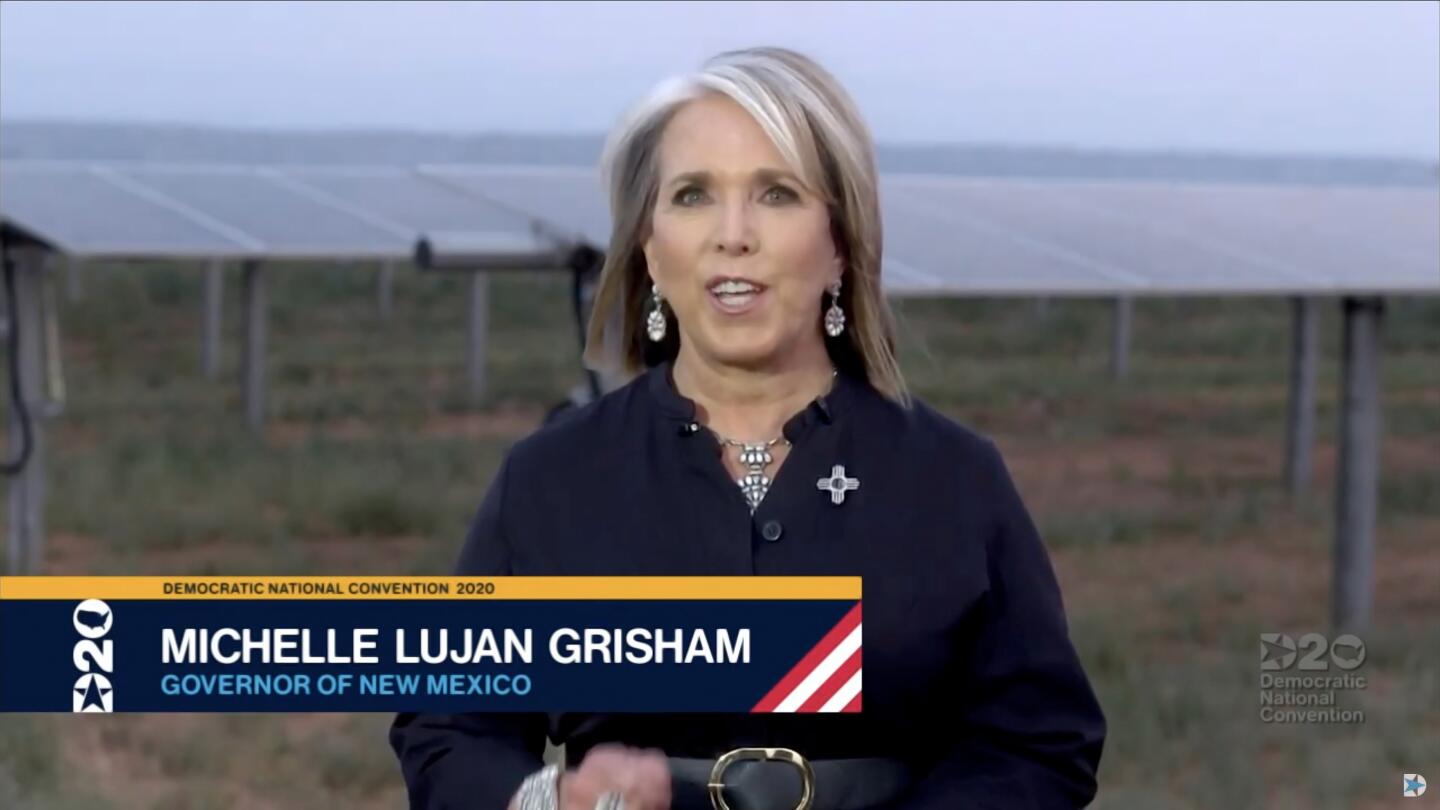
{"type": "Point", "coordinates": [1158, 496]}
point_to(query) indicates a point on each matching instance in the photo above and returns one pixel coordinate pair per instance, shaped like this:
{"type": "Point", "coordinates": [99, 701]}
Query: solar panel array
{"type": "Point", "coordinates": [142, 211]}
{"type": "Point", "coordinates": [943, 235]}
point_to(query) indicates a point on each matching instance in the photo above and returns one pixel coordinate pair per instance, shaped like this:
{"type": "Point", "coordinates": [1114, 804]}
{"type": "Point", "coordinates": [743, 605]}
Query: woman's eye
{"type": "Point", "coordinates": [689, 195]}
{"type": "Point", "coordinates": [781, 194]}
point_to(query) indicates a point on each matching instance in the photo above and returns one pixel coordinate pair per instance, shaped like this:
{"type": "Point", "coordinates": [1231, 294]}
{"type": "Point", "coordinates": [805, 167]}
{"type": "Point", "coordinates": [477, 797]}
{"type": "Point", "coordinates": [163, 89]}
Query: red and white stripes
{"type": "Point", "coordinates": [827, 679]}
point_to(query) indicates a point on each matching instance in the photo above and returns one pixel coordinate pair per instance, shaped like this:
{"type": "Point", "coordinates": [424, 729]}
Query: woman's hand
{"type": "Point", "coordinates": [640, 775]}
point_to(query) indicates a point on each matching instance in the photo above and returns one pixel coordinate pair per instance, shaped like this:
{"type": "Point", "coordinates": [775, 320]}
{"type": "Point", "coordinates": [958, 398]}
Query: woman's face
{"type": "Point", "coordinates": [739, 248]}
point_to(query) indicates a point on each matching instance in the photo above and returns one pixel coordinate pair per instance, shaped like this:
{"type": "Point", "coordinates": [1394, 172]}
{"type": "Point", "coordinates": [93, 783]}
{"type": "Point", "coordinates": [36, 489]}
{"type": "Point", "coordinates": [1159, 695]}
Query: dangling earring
{"type": "Point", "coordinates": [834, 316]}
{"type": "Point", "coordinates": [655, 321]}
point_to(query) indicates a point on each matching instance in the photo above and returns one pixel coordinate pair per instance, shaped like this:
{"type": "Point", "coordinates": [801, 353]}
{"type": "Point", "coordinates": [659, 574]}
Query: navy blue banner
{"type": "Point", "coordinates": [444, 655]}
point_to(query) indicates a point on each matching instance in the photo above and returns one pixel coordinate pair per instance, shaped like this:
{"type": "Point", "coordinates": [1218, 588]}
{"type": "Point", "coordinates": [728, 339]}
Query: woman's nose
{"type": "Point", "coordinates": [736, 235]}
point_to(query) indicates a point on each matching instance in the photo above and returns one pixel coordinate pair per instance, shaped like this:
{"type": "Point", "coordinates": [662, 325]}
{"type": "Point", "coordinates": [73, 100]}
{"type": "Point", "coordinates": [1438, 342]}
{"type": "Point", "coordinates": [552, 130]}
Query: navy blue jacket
{"type": "Point", "coordinates": [969, 670]}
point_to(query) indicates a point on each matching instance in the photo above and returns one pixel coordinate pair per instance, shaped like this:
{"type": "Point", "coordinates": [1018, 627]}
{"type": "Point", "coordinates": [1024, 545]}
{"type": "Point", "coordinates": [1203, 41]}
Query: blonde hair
{"type": "Point", "coordinates": [818, 130]}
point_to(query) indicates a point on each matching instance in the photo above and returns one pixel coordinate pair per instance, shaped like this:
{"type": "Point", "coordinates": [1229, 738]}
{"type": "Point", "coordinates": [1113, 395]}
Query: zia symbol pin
{"type": "Point", "coordinates": [837, 484]}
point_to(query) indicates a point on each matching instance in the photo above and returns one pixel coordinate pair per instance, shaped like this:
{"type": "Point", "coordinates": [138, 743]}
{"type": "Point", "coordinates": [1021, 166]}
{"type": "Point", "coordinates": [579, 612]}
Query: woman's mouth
{"type": "Point", "coordinates": [735, 296]}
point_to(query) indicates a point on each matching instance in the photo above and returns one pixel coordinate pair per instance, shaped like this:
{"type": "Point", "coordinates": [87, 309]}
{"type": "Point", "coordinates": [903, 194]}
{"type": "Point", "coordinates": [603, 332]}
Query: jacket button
{"type": "Point", "coordinates": [771, 530]}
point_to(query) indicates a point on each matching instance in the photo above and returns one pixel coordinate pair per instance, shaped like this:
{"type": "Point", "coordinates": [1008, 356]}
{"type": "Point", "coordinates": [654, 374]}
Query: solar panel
{"type": "Point", "coordinates": [286, 222]}
{"type": "Point", "coordinates": [954, 235]}
{"type": "Point", "coordinates": [1294, 238]}
{"type": "Point", "coordinates": [1402, 225]}
{"type": "Point", "coordinates": [149, 211]}
{"type": "Point", "coordinates": [943, 235]}
{"type": "Point", "coordinates": [410, 200]}
{"type": "Point", "coordinates": [1085, 246]}
{"type": "Point", "coordinates": [958, 253]}
{"type": "Point", "coordinates": [568, 202]}
{"type": "Point", "coordinates": [75, 207]}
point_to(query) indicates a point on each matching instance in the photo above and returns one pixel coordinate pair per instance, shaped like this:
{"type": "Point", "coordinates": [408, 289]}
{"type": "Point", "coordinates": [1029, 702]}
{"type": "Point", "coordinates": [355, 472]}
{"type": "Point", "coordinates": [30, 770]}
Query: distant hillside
{"type": "Point", "coordinates": [192, 144]}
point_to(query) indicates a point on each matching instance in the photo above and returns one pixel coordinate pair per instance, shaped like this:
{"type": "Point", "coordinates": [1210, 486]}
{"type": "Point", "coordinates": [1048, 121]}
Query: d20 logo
{"type": "Point", "coordinates": [1277, 651]}
{"type": "Point", "coordinates": [93, 693]}
{"type": "Point", "coordinates": [93, 655]}
{"type": "Point", "coordinates": [93, 618]}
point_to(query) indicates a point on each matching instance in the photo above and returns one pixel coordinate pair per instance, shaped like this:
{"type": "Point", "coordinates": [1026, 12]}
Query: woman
{"type": "Point", "coordinates": [769, 431]}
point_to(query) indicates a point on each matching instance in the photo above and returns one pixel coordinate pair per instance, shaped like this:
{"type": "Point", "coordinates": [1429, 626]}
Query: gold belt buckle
{"type": "Point", "coordinates": [807, 774]}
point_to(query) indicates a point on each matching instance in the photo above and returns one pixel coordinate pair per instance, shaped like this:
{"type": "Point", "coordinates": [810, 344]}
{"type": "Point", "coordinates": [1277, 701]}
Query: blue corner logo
{"type": "Point", "coordinates": [1414, 785]}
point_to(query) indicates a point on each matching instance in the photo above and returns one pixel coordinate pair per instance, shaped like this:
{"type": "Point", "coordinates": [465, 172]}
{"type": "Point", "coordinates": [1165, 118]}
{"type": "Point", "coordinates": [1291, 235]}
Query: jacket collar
{"type": "Point", "coordinates": [823, 410]}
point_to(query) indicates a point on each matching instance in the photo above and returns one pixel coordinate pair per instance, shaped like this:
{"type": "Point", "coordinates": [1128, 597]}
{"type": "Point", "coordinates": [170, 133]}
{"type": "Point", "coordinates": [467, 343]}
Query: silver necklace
{"type": "Point", "coordinates": [756, 457]}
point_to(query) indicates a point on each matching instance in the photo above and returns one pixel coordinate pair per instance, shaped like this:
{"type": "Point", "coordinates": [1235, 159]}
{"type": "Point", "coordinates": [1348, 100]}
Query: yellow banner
{"type": "Point", "coordinates": [532, 588]}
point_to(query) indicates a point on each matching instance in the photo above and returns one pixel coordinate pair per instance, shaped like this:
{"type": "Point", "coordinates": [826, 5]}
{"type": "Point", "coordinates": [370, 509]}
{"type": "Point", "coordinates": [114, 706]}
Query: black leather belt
{"type": "Point", "coordinates": [782, 779]}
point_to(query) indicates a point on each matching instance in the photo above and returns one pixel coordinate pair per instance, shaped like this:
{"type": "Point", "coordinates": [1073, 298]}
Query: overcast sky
{"type": "Point", "coordinates": [1356, 78]}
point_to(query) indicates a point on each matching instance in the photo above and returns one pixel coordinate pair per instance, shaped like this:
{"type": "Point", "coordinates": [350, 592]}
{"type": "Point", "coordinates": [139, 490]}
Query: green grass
{"type": "Point", "coordinates": [151, 471]}
{"type": "Point", "coordinates": [1186, 733]}
{"type": "Point", "coordinates": [35, 773]}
